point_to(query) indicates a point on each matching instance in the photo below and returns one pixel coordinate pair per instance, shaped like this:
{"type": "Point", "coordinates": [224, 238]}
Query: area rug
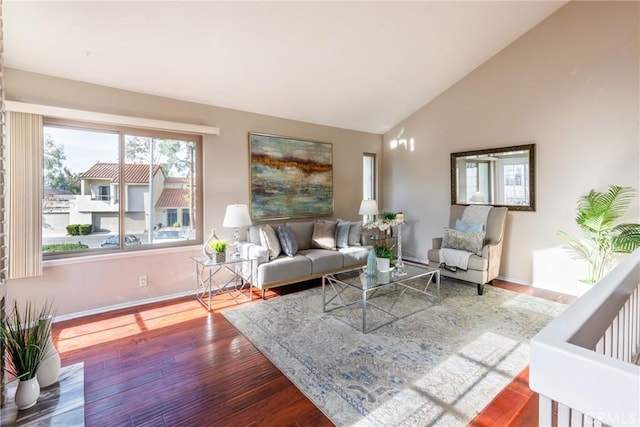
{"type": "Point", "coordinates": [439, 364]}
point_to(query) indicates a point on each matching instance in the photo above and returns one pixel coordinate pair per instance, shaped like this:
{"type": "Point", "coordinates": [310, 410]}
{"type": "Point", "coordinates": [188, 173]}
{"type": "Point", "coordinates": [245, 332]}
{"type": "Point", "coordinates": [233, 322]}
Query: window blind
{"type": "Point", "coordinates": [25, 148]}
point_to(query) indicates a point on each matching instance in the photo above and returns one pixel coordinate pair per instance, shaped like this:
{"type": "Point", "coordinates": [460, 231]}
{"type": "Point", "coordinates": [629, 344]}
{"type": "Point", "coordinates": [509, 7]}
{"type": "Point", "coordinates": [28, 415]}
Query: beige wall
{"type": "Point", "coordinates": [106, 281]}
{"type": "Point", "coordinates": [570, 85]}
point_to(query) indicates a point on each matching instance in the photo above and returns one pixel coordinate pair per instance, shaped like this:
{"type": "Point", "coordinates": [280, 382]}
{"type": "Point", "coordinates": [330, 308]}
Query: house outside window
{"type": "Point", "coordinates": [89, 170]}
{"type": "Point", "coordinates": [172, 216]}
{"type": "Point", "coordinates": [103, 192]}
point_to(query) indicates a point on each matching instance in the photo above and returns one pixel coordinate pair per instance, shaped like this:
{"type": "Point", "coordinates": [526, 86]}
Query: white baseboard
{"type": "Point", "coordinates": [122, 305]}
{"type": "Point", "coordinates": [414, 259]}
{"type": "Point", "coordinates": [516, 281]}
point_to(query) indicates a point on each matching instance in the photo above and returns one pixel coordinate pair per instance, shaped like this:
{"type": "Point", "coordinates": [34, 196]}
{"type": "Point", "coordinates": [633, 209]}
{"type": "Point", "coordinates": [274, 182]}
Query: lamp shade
{"type": "Point", "coordinates": [368, 207]}
{"type": "Point", "coordinates": [236, 216]}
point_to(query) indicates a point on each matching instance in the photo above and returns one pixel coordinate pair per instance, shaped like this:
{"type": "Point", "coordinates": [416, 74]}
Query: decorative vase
{"type": "Point", "coordinates": [372, 264]}
{"type": "Point", "coordinates": [221, 257]}
{"type": "Point", "coordinates": [27, 393]}
{"type": "Point", "coordinates": [49, 369]}
{"type": "Point", "coordinates": [207, 250]}
{"type": "Point", "coordinates": [383, 264]}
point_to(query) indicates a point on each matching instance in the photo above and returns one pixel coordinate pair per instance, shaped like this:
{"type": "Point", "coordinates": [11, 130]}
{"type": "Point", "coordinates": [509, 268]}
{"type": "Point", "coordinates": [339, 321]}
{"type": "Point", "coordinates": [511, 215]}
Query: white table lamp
{"type": "Point", "coordinates": [235, 217]}
{"type": "Point", "coordinates": [368, 207]}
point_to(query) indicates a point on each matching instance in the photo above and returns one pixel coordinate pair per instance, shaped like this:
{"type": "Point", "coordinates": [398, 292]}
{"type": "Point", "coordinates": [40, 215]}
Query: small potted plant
{"type": "Point", "coordinates": [27, 337]}
{"type": "Point", "coordinates": [384, 253]}
{"type": "Point", "coordinates": [219, 248]}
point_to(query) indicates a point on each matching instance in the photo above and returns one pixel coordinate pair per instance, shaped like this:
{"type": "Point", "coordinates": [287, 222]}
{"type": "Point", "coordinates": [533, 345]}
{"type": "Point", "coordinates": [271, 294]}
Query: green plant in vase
{"type": "Point", "coordinates": [597, 214]}
{"type": "Point", "coordinates": [219, 247]}
{"type": "Point", "coordinates": [383, 250]}
{"type": "Point", "coordinates": [26, 336]}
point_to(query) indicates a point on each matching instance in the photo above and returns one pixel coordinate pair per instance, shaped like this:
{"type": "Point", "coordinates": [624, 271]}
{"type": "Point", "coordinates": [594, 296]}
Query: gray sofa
{"type": "Point", "coordinates": [318, 251]}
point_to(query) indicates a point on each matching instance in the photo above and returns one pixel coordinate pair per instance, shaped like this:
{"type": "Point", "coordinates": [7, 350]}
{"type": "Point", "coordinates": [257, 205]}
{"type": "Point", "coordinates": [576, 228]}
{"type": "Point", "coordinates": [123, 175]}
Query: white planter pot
{"type": "Point", "coordinates": [27, 393]}
{"type": "Point", "coordinates": [49, 370]}
{"type": "Point", "coordinates": [383, 264]}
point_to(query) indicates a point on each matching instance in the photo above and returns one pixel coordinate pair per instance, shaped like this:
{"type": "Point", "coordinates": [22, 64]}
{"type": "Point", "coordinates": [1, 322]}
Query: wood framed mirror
{"type": "Point", "coordinates": [497, 176]}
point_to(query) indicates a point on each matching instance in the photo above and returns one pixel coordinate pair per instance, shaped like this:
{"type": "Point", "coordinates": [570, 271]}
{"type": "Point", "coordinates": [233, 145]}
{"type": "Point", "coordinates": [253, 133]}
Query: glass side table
{"type": "Point", "coordinates": [230, 277]}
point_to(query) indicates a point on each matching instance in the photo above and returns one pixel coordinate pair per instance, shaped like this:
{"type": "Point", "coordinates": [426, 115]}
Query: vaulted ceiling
{"type": "Point", "coordinates": [355, 65]}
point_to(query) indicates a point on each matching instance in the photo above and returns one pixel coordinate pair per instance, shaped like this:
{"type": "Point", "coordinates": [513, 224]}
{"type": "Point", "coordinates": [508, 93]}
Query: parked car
{"type": "Point", "coordinates": [114, 241]}
{"type": "Point", "coordinates": [168, 234]}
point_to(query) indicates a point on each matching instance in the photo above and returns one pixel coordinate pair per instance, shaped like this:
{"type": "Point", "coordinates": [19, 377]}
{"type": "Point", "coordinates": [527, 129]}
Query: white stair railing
{"type": "Point", "coordinates": [583, 364]}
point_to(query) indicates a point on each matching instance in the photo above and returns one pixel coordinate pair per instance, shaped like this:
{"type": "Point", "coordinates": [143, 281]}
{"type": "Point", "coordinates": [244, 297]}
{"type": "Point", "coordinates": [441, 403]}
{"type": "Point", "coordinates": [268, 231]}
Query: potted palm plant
{"type": "Point", "coordinates": [27, 338]}
{"type": "Point", "coordinates": [597, 215]}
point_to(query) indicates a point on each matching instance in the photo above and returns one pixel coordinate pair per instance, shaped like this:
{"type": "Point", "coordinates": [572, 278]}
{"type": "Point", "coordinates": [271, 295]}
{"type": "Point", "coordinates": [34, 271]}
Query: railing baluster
{"type": "Point", "coordinates": [564, 415]}
{"type": "Point", "coordinates": [600, 346]}
{"type": "Point", "coordinates": [621, 334]}
{"type": "Point", "coordinates": [614, 338]}
{"type": "Point", "coordinates": [545, 411]}
{"type": "Point", "coordinates": [576, 418]}
{"type": "Point", "coordinates": [635, 323]}
{"type": "Point", "coordinates": [627, 328]}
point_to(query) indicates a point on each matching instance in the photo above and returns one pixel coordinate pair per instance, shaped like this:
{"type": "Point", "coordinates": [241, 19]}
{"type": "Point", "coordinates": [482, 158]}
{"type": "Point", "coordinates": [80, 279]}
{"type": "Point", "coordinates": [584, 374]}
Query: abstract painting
{"type": "Point", "coordinates": [290, 178]}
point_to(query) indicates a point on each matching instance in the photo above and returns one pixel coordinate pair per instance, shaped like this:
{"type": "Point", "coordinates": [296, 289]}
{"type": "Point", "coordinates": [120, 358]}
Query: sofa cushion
{"type": "Point", "coordinates": [324, 235]}
{"type": "Point", "coordinates": [354, 255]}
{"type": "Point", "coordinates": [323, 260]}
{"type": "Point", "coordinates": [284, 268]}
{"type": "Point", "coordinates": [269, 239]}
{"type": "Point", "coordinates": [288, 241]}
{"type": "Point", "coordinates": [355, 233]}
{"type": "Point", "coordinates": [342, 234]}
{"type": "Point", "coordinates": [463, 240]}
{"type": "Point", "coordinates": [302, 232]}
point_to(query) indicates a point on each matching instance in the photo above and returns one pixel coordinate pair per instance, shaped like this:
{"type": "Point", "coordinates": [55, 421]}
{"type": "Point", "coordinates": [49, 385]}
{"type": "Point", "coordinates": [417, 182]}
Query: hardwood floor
{"type": "Point", "coordinates": [175, 364]}
{"type": "Point", "coordinates": [517, 405]}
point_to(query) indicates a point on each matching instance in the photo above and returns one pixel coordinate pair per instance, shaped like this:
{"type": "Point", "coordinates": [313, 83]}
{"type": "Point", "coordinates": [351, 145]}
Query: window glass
{"type": "Point", "coordinates": [165, 169]}
{"type": "Point", "coordinates": [79, 210]}
{"type": "Point", "coordinates": [514, 175]}
{"type": "Point", "coordinates": [369, 177]}
{"type": "Point", "coordinates": [368, 180]}
{"type": "Point", "coordinates": [82, 170]}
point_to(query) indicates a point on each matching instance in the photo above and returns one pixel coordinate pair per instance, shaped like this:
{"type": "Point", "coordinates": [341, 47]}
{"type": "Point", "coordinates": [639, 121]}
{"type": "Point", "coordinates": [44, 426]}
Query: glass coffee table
{"type": "Point", "coordinates": [380, 293]}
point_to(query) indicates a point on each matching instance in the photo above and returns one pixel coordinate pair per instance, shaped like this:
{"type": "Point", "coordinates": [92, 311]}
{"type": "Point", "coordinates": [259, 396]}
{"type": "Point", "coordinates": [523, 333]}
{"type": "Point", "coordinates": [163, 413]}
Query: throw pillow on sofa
{"type": "Point", "coordinates": [470, 241]}
{"type": "Point", "coordinates": [342, 234]}
{"type": "Point", "coordinates": [302, 232]}
{"type": "Point", "coordinates": [269, 240]}
{"type": "Point", "coordinates": [253, 234]}
{"type": "Point", "coordinates": [324, 235]}
{"type": "Point", "coordinates": [288, 241]}
{"type": "Point", "coordinates": [355, 233]}
{"type": "Point", "coordinates": [463, 226]}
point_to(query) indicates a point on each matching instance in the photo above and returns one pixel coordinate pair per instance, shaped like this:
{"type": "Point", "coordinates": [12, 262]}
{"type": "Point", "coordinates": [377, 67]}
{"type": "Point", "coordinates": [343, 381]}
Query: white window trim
{"type": "Point", "coordinates": [119, 255]}
{"type": "Point", "coordinates": [112, 119]}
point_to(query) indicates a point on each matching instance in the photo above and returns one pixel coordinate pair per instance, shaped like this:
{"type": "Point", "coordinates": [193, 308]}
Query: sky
{"type": "Point", "coordinates": [84, 148]}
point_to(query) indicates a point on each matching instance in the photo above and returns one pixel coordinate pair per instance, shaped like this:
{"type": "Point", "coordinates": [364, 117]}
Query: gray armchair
{"type": "Point", "coordinates": [481, 269]}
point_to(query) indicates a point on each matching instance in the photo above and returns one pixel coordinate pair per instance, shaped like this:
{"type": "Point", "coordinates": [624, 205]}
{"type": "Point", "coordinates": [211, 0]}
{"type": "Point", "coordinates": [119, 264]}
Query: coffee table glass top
{"type": "Point", "coordinates": [358, 277]}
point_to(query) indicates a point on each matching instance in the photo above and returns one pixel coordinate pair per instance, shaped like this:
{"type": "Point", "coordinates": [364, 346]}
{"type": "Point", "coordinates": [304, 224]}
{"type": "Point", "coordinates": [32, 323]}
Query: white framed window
{"type": "Point", "coordinates": [368, 176]}
{"type": "Point", "coordinates": [89, 169]}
